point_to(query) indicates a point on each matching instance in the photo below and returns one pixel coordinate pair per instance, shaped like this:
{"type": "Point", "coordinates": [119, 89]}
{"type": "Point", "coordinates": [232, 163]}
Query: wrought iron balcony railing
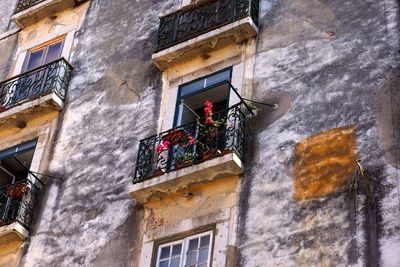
{"type": "Point", "coordinates": [183, 25]}
{"type": "Point", "coordinates": [192, 143]}
{"type": "Point", "coordinates": [17, 202]}
{"type": "Point", "coordinates": [51, 78]}
{"type": "Point", "coordinates": [25, 4]}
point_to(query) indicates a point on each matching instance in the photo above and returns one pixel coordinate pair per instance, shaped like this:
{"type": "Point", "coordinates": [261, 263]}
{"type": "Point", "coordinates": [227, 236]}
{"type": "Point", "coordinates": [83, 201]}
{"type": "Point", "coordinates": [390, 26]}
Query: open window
{"type": "Point", "coordinates": [17, 190]}
{"type": "Point", "coordinates": [192, 96]}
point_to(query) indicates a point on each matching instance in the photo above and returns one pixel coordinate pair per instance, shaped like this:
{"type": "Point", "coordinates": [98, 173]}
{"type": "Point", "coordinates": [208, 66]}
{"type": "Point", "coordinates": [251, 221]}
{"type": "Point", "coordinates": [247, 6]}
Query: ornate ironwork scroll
{"type": "Point", "coordinates": [181, 26]}
{"type": "Point", "coordinates": [17, 202]}
{"type": "Point", "coordinates": [192, 143]}
{"type": "Point", "coordinates": [52, 77]}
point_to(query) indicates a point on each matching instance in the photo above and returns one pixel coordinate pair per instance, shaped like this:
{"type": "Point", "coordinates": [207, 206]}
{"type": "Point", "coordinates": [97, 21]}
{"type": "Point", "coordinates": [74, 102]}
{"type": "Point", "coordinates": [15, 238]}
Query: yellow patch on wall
{"type": "Point", "coordinates": [324, 163]}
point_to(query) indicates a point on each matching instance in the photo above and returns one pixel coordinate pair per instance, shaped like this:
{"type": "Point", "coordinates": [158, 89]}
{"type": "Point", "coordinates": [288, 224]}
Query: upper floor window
{"type": "Point", "coordinates": [192, 96]}
{"type": "Point", "coordinates": [43, 54]}
{"type": "Point", "coordinates": [192, 251]}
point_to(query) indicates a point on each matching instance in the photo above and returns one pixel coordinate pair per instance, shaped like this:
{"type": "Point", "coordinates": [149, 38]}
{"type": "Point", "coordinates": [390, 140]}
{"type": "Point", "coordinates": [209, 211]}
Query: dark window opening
{"type": "Point", "coordinates": [16, 190]}
{"type": "Point", "coordinates": [191, 96]}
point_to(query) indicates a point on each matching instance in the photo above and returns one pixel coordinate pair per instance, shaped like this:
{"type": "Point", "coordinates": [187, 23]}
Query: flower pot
{"type": "Point", "coordinates": [158, 172]}
{"type": "Point", "coordinates": [17, 191]}
{"type": "Point", "coordinates": [226, 151]}
{"type": "Point", "coordinates": [173, 137]}
{"type": "Point", "coordinates": [208, 155]}
{"type": "Point", "coordinates": [181, 165]}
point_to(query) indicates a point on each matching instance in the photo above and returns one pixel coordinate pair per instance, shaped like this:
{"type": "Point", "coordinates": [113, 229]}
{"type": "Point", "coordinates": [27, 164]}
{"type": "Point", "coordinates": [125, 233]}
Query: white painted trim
{"type": "Point", "coordinates": [171, 92]}
{"type": "Point", "coordinates": [221, 236]}
{"type": "Point", "coordinates": [68, 43]}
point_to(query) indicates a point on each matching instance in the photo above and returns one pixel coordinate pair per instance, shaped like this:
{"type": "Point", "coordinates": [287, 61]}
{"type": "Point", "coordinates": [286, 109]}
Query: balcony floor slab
{"type": "Point", "coordinates": [47, 102]}
{"type": "Point", "coordinates": [235, 32]}
{"type": "Point", "coordinates": [12, 232]}
{"type": "Point", "coordinates": [225, 166]}
{"type": "Point", "coordinates": [40, 11]}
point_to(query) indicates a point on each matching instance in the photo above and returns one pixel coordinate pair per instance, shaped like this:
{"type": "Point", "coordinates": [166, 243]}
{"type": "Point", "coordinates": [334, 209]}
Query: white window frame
{"type": "Point", "coordinates": [185, 246]}
{"type": "Point", "coordinates": [65, 53]}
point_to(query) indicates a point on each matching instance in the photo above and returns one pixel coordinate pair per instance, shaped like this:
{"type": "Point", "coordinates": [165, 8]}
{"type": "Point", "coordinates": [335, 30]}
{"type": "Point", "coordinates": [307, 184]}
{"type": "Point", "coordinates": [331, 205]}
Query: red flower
{"type": "Point", "coordinates": [162, 146]}
{"type": "Point", "coordinates": [209, 121]}
{"type": "Point", "coordinates": [208, 103]}
{"type": "Point", "coordinates": [192, 141]}
{"type": "Point", "coordinates": [208, 111]}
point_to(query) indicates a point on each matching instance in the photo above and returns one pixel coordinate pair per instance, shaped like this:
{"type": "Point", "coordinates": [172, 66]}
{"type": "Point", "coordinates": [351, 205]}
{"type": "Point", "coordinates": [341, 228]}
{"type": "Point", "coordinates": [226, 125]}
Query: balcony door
{"type": "Point", "coordinates": [14, 167]}
{"type": "Point", "coordinates": [192, 96]}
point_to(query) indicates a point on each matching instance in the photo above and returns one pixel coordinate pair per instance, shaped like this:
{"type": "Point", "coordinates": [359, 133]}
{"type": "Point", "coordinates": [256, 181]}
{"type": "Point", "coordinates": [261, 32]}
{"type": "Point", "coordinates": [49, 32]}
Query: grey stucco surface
{"type": "Point", "coordinates": [113, 101]}
{"type": "Point", "coordinates": [6, 10]}
{"type": "Point", "coordinates": [333, 58]}
{"type": "Point", "coordinates": [327, 63]}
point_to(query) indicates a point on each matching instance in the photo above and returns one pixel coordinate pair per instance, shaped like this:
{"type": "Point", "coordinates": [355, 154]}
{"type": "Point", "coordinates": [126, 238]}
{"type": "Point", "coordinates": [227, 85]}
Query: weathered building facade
{"type": "Point", "coordinates": [199, 133]}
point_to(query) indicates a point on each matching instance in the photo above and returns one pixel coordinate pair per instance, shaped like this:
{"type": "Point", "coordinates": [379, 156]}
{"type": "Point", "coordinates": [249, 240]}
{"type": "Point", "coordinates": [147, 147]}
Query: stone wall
{"type": "Point", "coordinates": [332, 66]}
{"type": "Point", "coordinates": [328, 61]}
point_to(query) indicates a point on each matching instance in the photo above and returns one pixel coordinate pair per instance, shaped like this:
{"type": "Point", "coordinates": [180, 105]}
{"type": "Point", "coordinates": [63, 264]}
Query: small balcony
{"type": "Point", "coordinates": [17, 202]}
{"type": "Point", "coordinates": [44, 87]}
{"type": "Point", "coordinates": [195, 152]}
{"type": "Point", "coordinates": [186, 30]}
{"type": "Point", "coordinates": [28, 12]}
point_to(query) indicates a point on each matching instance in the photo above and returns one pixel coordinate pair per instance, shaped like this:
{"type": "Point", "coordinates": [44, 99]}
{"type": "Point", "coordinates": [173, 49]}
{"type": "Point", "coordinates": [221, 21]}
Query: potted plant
{"type": "Point", "coordinates": [158, 172]}
{"type": "Point", "coordinates": [184, 160]}
{"type": "Point", "coordinates": [17, 191]}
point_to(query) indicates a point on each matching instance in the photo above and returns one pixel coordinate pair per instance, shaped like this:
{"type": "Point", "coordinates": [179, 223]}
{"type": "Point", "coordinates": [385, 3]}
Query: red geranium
{"type": "Point", "coordinates": [208, 103]}
{"type": "Point", "coordinates": [162, 146]}
{"type": "Point", "coordinates": [208, 111]}
{"type": "Point", "coordinates": [209, 121]}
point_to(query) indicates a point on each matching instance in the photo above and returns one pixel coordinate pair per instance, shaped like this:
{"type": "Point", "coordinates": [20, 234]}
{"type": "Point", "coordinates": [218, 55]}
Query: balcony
{"type": "Point", "coordinates": [192, 153]}
{"type": "Point", "coordinates": [17, 202]}
{"type": "Point", "coordinates": [183, 32]}
{"type": "Point", "coordinates": [28, 12]}
{"type": "Point", "coordinates": [44, 87]}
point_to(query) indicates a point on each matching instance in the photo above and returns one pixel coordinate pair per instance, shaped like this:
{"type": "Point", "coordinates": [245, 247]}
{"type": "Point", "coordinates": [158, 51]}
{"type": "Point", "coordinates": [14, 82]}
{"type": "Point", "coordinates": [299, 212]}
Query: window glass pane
{"type": "Point", "coordinates": [191, 259]}
{"type": "Point", "coordinates": [35, 60]}
{"type": "Point", "coordinates": [219, 77]}
{"type": "Point", "coordinates": [194, 244]}
{"type": "Point", "coordinates": [164, 263]}
{"type": "Point", "coordinates": [175, 262]}
{"type": "Point", "coordinates": [192, 87]}
{"type": "Point", "coordinates": [205, 241]}
{"type": "Point", "coordinates": [176, 250]}
{"type": "Point", "coordinates": [54, 52]}
{"type": "Point", "coordinates": [165, 252]}
{"type": "Point", "coordinates": [213, 79]}
{"type": "Point", "coordinates": [203, 255]}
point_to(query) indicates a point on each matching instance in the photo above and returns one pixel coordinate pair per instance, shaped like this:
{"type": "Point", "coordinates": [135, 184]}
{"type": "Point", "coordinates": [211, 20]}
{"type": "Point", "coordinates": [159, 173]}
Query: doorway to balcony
{"type": "Point", "coordinates": [15, 184]}
{"type": "Point", "coordinates": [192, 96]}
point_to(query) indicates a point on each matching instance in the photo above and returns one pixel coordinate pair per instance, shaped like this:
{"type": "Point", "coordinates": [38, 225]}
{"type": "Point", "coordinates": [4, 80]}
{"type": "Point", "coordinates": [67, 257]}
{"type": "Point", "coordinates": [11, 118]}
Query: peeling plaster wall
{"type": "Point", "coordinates": [328, 64]}
{"type": "Point", "coordinates": [88, 219]}
{"type": "Point", "coordinates": [6, 11]}
{"type": "Point", "coordinates": [333, 59]}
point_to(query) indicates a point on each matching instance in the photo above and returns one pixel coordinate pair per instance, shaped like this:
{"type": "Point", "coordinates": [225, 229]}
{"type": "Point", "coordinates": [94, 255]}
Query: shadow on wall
{"type": "Point", "coordinates": [388, 115]}
{"type": "Point", "coordinates": [297, 21]}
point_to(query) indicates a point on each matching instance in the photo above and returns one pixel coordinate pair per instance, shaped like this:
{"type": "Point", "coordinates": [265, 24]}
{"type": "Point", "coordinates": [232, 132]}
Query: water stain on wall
{"type": "Point", "coordinates": [324, 163]}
